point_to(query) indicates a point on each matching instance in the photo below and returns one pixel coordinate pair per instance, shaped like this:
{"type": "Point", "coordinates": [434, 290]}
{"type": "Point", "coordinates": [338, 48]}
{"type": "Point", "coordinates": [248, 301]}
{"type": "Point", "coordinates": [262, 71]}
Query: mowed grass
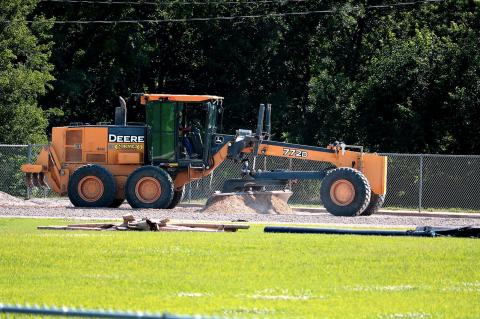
{"type": "Point", "coordinates": [245, 274]}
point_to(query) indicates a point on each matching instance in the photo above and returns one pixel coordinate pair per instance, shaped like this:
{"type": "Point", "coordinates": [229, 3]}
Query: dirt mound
{"type": "Point", "coordinates": [9, 200]}
{"type": "Point", "coordinates": [249, 202]}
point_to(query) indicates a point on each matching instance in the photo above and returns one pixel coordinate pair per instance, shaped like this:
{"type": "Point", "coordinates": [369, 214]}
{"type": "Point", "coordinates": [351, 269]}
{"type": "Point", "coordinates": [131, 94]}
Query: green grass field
{"type": "Point", "coordinates": [245, 274]}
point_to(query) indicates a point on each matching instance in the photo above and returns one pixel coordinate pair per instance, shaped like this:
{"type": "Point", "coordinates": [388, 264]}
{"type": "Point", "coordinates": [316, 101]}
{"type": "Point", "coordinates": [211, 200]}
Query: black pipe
{"type": "Point", "coordinates": [121, 112]}
{"type": "Point", "coordinates": [261, 113]}
{"type": "Point", "coordinates": [305, 230]}
{"type": "Point", "coordinates": [268, 120]}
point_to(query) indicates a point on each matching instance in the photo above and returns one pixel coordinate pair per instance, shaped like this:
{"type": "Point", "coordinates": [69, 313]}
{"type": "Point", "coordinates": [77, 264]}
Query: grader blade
{"type": "Point", "coordinates": [247, 184]}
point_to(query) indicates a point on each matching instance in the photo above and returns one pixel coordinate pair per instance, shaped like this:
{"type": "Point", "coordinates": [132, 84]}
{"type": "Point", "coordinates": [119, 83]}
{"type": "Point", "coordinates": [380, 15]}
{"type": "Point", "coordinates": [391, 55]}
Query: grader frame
{"type": "Point", "coordinates": [101, 165]}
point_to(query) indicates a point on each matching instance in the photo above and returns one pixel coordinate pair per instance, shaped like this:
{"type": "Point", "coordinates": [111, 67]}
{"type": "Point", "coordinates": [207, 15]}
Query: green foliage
{"type": "Point", "coordinates": [399, 79]}
{"type": "Point", "coordinates": [247, 274]}
{"type": "Point", "coordinates": [24, 72]}
{"type": "Point", "coordinates": [405, 81]}
{"type": "Point", "coordinates": [12, 180]}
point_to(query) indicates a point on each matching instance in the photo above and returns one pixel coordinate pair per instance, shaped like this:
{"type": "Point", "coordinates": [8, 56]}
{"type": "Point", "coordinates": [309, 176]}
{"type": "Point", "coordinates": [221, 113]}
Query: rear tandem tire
{"type": "Point", "coordinates": [177, 197]}
{"type": "Point", "coordinates": [117, 202]}
{"type": "Point", "coordinates": [345, 192]}
{"type": "Point", "coordinates": [91, 186]}
{"type": "Point", "coordinates": [149, 187]}
{"type": "Point", "coordinates": [376, 202]}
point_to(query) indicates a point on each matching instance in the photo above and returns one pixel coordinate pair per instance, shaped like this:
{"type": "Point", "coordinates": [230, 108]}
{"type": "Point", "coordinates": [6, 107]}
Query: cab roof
{"type": "Point", "coordinates": [144, 98]}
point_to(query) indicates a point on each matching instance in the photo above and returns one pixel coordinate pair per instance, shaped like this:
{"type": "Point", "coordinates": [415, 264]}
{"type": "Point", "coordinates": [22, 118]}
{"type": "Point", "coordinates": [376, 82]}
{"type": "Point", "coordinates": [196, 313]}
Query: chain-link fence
{"type": "Point", "coordinates": [20, 311]}
{"type": "Point", "coordinates": [415, 181]}
{"type": "Point", "coordinates": [12, 180]}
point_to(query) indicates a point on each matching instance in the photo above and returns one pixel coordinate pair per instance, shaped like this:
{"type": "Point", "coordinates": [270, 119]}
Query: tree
{"type": "Point", "coordinates": [24, 72]}
{"type": "Point", "coordinates": [248, 61]}
{"type": "Point", "coordinates": [399, 81]}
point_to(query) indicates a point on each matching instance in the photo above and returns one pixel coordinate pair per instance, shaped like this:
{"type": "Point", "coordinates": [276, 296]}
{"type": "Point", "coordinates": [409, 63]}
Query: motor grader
{"type": "Point", "coordinates": [149, 164]}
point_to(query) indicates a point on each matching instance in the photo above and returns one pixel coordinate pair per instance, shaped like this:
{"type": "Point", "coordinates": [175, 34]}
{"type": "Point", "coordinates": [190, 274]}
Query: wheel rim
{"type": "Point", "coordinates": [90, 188]}
{"type": "Point", "coordinates": [342, 192]}
{"type": "Point", "coordinates": [148, 190]}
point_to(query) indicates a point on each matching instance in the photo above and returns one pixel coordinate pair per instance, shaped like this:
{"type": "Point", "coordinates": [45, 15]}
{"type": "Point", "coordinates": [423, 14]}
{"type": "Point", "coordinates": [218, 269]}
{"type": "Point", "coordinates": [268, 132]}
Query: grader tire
{"type": "Point", "coordinates": [345, 192]}
{"type": "Point", "coordinates": [376, 202]}
{"type": "Point", "coordinates": [91, 186]}
{"type": "Point", "coordinates": [177, 197]}
{"type": "Point", "coordinates": [149, 187]}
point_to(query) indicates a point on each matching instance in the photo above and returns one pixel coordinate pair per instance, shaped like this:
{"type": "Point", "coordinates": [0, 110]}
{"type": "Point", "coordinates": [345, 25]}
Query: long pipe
{"type": "Point", "coordinates": [268, 120]}
{"type": "Point", "coordinates": [261, 113]}
{"type": "Point", "coordinates": [306, 230]}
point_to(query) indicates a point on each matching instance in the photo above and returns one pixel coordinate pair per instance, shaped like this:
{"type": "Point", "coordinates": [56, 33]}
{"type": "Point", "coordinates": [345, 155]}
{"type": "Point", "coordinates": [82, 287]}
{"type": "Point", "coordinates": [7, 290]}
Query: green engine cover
{"type": "Point", "coordinates": [160, 118]}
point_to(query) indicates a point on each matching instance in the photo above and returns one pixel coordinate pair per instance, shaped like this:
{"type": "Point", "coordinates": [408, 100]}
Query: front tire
{"type": "Point", "coordinates": [149, 187]}
{"type": "Point", "coordinates": [91, 186]}
{"type": "Point", "coordinates": [345, 192]}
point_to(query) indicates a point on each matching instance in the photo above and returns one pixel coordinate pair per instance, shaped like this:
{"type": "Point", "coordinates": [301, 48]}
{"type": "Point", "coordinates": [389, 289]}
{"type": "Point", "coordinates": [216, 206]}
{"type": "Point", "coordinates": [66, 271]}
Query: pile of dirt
{"type": "Point", "coordinates": [9, 200]}
{"type": "Point", "coordinates": [248, 202]}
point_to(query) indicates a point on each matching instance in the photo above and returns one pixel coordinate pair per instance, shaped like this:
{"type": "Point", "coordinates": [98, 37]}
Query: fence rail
{"type": "Point", "coordinates": [415, 181]}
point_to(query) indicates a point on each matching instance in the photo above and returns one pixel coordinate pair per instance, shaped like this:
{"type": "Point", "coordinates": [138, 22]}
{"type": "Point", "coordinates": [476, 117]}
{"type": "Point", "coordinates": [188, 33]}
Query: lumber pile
{"type": "Point", "coordinates": [145, 224]}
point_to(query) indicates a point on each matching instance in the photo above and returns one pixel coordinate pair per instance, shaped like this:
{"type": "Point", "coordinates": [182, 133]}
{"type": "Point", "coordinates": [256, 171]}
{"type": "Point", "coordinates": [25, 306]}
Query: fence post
{"type": "Point", "coordinates": [210, 183]}
{"type": "Point", "coordinates": [29, 159]}
{"type": "Point", "coordinates": [290, 183]}
{"type": "Point", "coordinates": [420, 184]}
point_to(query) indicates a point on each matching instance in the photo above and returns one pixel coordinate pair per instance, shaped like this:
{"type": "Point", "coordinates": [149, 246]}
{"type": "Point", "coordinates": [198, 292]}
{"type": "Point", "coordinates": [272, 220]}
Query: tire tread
{"type": "Point", "coordinates": [376, 202]}
{"type": "Point", "coordinates": [110, 186]}
{"type": "Point", "coordinates": [345, 172]}
{"type": "Point", "coordinates": [165, 181]}
{"type": "Point", "coordinates": [177, 197]}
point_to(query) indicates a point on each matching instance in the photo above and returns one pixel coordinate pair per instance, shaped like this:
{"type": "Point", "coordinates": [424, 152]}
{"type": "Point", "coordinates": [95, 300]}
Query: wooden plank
{"type": "Point", "coordinates": [86, 228]}
{"type": "Point", "coordinates": [68, 228]}
{"type": "Point", "coordinates": [144, 225]}
{"type": "Point", "coordinates": [96, 225]}
{"type": "Point", "coordinates": [189, 229]}
{"type": "Point", "coordinates": [53, 227]}
{"type": "Point", "coordinates": [224, 226]}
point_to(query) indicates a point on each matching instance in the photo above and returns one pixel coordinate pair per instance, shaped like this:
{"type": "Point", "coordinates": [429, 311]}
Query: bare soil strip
{"type": "Point", "coordinates": [61, 208]}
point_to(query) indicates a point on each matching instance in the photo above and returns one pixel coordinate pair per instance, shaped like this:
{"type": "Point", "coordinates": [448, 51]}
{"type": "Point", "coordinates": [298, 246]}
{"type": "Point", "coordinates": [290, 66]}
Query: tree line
{"type": "Point", "coordinates": [403, 78]}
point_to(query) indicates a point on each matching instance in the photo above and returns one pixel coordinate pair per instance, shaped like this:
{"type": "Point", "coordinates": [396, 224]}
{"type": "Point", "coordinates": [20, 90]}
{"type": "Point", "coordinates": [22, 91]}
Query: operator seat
{"type": "Point", "coordinates": [195, 138]}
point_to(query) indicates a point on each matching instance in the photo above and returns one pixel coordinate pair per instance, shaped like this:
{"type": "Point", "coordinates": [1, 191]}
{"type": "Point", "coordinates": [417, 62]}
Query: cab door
{"type": "Point", "coordinates": [210, 129]}
{"type": "Point", "coordinates": [162, 135]}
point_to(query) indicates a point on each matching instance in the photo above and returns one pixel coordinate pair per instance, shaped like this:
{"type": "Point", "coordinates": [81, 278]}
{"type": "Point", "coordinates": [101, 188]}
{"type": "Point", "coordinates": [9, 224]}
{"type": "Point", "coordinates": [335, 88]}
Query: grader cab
{"type": "Point", "coordinates": [150, 164]}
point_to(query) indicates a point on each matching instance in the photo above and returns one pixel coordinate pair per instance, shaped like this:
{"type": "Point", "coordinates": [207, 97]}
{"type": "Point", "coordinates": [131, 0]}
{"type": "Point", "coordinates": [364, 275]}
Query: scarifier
{"type": "Point", "coordinates": [149, 164]}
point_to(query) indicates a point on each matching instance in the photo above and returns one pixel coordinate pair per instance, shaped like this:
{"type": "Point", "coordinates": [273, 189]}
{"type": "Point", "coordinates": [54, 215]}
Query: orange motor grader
{"type": "Point", "coordinates": [149, 164]}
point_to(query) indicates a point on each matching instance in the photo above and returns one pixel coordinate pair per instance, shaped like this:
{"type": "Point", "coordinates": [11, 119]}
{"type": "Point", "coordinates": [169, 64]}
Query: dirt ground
{"type": "Point", "coordinates": [62, 208]}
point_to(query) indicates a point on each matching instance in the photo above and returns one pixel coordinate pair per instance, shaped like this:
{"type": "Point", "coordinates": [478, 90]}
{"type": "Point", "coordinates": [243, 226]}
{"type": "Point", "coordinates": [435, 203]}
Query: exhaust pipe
{"type": "Point", "coordinates": [121, 112]}
{"type": "Point", "coordinates": [268, 120]}
{"type": "Point", "coordinates": [261, 113]}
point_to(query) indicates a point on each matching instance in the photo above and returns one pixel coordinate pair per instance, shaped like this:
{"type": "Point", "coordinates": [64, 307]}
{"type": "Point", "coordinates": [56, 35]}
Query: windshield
{"type": "Point", "coordinates": [212, 117]}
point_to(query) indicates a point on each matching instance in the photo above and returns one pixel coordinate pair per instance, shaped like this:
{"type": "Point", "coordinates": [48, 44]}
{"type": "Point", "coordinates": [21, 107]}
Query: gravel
{"type": "Point", "coordinates": [61, 208]}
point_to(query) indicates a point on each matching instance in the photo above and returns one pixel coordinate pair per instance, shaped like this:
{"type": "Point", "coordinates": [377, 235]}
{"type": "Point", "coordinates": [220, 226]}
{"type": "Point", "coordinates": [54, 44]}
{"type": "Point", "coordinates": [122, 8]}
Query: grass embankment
{"type": "Point", "coordinates": [244, 274]}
